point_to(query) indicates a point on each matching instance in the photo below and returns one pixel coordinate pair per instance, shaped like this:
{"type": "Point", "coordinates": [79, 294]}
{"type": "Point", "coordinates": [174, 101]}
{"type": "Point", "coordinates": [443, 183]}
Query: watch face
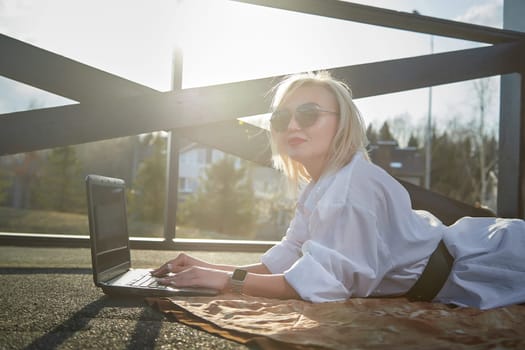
{"type": "Point", "coordinates": [239, 275]}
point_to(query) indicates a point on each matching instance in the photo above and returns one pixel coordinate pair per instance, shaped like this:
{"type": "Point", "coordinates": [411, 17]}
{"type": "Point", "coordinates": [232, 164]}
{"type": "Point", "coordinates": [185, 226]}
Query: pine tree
{"type": "Point", "coordinates": [147, 200]}
{"type": "Point", "coordinates": [385, 134]}
{"type": "Point", "coordinates": [225, 201]}
{"type": "Point", "coordinates": [413, 141]}
{"type": "Point", "coordinates": [371, 135]}
{"type": "Point", "coordinates": [60, 185]}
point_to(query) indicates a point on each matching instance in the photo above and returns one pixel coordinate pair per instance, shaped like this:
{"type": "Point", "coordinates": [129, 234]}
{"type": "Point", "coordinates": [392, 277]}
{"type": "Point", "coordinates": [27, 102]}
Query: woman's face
{"type": "Point", "coordinates": [309, 145]}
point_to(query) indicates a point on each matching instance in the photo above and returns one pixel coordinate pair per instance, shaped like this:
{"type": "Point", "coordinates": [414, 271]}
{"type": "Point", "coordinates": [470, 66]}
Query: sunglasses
{"type": "Point", "coordinates": [305, 115]}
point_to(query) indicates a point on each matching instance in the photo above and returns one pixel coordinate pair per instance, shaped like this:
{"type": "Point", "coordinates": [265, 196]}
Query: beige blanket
{"type": "Point", "coordinates": [355, 324]}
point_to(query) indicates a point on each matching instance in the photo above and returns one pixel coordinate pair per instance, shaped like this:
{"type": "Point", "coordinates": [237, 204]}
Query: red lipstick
{"type": "Point", "coordinates": [295, 141]}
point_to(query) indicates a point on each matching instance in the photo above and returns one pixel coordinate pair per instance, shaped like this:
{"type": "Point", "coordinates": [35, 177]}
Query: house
{"type": "Point", "coordinates": [273, 204]}
{"type": "Point", "coordinates": [195, 158]}
{"type": "Point", "coordinates": [193, 161]}
{"type": "Point", "coordinates": [406, 164]}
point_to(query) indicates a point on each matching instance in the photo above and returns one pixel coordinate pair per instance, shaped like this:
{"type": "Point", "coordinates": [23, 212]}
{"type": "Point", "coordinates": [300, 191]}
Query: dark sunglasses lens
{"type": "Point", "coordinates": [280, 120]}
{"type": "Point", "coordinates": [306, 116]}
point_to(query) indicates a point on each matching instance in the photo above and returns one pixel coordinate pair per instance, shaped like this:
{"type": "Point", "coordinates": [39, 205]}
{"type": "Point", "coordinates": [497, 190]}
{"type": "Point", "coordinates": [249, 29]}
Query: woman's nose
{"type": "Point", "coordinates": [293, 125]}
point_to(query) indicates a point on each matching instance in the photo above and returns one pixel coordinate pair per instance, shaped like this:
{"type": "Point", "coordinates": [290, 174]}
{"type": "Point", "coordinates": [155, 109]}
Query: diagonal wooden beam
{"type": "Point", "coordinates": [73, 124]}
{"type": "Point", "coordinates": [60, 75]}
{"type": "Point", "coordinates": [394, 19]}
{"type": "Point", "coordinates": [80, 123]}
{"type": "Point", "coordinates": [242, 139]}
{"type": "Point", "coordinates": [430, 70]}
{"type": "Point", "coordinates": [38, 67]}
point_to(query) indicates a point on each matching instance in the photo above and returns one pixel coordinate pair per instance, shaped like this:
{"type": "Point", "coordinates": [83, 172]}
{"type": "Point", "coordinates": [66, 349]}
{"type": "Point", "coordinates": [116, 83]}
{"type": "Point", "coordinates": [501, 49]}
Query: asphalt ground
{"type": "Point", "coordinates": [49, 301]}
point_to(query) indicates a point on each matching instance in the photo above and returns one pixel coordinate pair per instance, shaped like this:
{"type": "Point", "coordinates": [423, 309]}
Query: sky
{"type": "Point", "coordinates": [224, 41]}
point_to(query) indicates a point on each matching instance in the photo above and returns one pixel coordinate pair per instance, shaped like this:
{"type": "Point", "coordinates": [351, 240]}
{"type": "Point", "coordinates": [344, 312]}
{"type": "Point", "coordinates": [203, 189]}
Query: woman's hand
{"type": "Point", "coordinates": [196, 276]}
{"type": "Point", "coordinates": [180, 263]}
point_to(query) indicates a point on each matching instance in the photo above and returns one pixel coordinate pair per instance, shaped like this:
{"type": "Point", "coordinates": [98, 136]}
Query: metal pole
{"type": "Point", "coordinates": [511, 159]}
{"type": "Point", "coordinates": [172, 159]}
{"type": "Point", "coordinates": [428, 143]}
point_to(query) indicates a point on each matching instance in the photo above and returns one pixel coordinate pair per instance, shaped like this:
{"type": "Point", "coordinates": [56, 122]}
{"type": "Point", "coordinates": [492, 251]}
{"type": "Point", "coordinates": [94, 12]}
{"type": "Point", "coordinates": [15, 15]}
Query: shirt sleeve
{"type": "Point", "coordinates": [312, 278]}
{"type": "Point", "coordinates": [282, 256]}
{"type": "Point", "coordinates": [344, 258]}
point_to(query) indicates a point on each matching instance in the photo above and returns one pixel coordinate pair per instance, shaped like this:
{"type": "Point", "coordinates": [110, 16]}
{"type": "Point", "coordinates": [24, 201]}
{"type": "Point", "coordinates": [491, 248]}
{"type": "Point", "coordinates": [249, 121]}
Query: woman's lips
{"type": "Point", "coordinates": [295, 141]}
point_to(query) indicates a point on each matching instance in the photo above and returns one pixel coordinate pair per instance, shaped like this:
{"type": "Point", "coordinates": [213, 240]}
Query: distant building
{"type": "Point", "coordinates": [404, 163]}
{"type": "Point", "coordinates": [195, 158]}
{"type": "Point", "coordinates": [193, 161]}
{"type": "Point", "coordinates": [273, 205]}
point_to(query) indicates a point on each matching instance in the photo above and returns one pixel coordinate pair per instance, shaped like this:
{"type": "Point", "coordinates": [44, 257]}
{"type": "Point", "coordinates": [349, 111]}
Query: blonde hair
{"type": "Point", "coordinates": [349, 138]}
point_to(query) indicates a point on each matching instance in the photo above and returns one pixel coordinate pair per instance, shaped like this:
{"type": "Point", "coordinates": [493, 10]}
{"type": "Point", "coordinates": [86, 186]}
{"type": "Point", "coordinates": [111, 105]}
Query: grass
{"type": "Point", "coordinates": [53, 222]}
{"type": "Point", "coordinates": [32, 221]}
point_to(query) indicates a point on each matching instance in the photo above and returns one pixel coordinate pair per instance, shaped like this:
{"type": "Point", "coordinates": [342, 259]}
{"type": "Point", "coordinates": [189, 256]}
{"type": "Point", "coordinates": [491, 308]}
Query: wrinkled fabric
{"type": "Point", "coordinates": [355, 234]}
{"type": "Point", "coordinates": [371, 323]}
{"type": "Point", "coordinates": [489, 265]}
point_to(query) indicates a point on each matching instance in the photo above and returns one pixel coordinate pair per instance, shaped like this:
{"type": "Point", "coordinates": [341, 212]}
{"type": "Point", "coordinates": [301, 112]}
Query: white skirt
{"type": "Point", "coordinates": [489, 263]}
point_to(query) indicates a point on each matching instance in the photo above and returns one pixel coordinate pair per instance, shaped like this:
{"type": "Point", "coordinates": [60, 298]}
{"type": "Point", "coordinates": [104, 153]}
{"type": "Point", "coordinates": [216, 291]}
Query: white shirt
{"type": "Point", "coordinates": [355, 234]}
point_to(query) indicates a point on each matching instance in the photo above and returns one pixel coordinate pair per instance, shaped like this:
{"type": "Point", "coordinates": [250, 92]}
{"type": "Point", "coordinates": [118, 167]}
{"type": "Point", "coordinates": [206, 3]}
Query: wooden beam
{"type": "Point", "coordinates": [74, 124]}
{"type": "Point", "coordinates": [430, 70]}
{"type": "Point", "coordinates": [60, 75]}
{"type": "Point", "coordinates": [394, 19]}
{"type": "Point", "coordinates": [240, 139]}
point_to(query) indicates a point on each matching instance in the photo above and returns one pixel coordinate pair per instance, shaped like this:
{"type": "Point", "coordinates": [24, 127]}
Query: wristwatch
{"type": "Point", "coordinates": [237, 280]}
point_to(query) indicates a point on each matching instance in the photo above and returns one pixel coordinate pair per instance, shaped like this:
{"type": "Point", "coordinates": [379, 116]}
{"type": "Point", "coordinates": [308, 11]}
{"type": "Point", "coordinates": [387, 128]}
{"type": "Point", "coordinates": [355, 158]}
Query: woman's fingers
{"type": "Point", "coordinates": [180, 263]}
{"type": "Point", "coordinates": [163, 269]}
{"type": "Point", "coordinates": [174, 265]}
{"type": "Point", "coordinates": [197, 277]}
{"type": "Point", "coordinates": [181, 279]}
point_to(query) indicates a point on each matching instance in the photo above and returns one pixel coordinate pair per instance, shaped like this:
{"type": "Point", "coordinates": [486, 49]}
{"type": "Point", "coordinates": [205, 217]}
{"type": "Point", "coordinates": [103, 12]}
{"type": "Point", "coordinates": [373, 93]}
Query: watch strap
{"type": "Point", "coordinates": [237, 280]}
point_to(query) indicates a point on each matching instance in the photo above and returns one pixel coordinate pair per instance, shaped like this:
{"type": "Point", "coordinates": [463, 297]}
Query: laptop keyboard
{"type": "Point", "coordinates": [146, 281]}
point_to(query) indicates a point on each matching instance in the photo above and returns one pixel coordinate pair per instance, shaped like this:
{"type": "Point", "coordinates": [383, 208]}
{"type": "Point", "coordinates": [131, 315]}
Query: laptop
{"type": "Point", "coordinates": [110, 249]}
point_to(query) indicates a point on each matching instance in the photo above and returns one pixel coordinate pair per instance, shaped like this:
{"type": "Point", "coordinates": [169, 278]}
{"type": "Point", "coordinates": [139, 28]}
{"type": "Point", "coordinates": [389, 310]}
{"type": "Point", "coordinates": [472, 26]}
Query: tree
{"type": "Point", "coordinates": [401, 129]}
{"type": "Point", "coordinates": [5, 183]}
{"type": "Point", "coordinates": [371, 135]}
{"type": "Point", "coordinates": [60, 185]}
{"type": "Point", "coordinates": [118, 157]}
{"type": "Point", "coordinates": [413, 141]}
{"type": "Point", "coordinates": [482, 89]}
{"type": "Point", "coordinates": [452, 174]}
{"type": "Point", "coordinates": [25, 169]}
{"type": "Point", "coordinates": [385, 134]}
{"type": "Point", "coordinates": [456, 166]}
{"type": "Point", "coordinates": [224, 202]}
{"type": "Point", "coordinates": [147, 199]}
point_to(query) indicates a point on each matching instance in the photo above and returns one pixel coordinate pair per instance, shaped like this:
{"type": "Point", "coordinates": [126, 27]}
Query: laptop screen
{"type": "Point", "coordinates": [108, 226]}
{"type": "Point", "coordinates": [110, 218]}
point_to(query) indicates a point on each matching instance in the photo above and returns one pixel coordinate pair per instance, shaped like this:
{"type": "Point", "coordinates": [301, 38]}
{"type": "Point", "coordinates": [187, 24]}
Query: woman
{"type": "Point", "coordinates": [354, 233]}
